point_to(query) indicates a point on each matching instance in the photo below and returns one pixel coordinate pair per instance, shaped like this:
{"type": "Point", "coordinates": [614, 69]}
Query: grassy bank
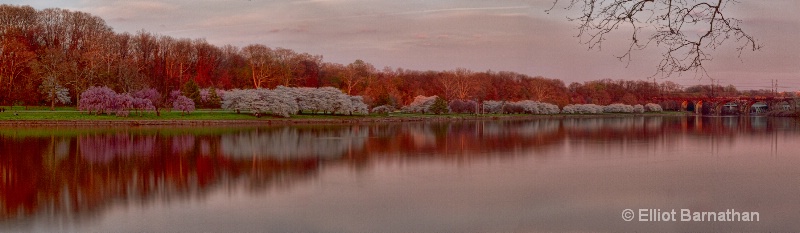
{"type": "Point", "coordinates": [69, 115]}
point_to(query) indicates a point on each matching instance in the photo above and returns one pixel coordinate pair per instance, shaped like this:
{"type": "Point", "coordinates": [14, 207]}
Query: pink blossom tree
{"type": "Point", "coordinates": [97, 100]}
{"type": "Point", "coordinates": [150, 95]}
{"type": "Point", "coordinates": [183, 104]}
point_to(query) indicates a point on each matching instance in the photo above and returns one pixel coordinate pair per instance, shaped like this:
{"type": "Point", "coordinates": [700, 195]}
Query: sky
{"type": "Point", "coordinates": [498, 35]}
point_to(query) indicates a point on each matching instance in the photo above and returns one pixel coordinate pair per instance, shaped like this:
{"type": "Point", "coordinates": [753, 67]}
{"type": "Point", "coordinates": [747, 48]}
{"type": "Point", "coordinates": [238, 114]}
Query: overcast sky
{"type": "Point", "coordinates": [499, 35]}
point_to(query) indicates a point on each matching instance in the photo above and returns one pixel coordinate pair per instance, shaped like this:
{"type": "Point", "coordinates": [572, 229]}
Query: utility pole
{"type": "Point", "coordinates": [712, 87]}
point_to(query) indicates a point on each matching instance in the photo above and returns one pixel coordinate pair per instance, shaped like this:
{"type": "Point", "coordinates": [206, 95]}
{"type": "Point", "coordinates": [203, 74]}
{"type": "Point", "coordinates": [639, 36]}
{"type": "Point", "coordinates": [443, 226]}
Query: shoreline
{"type": "Point", "coordinates": [321, 121]}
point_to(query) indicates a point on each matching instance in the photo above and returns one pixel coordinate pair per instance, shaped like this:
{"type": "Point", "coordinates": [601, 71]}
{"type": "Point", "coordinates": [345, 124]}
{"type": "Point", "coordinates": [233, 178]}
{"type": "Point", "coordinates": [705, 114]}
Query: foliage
{"type": "Point", "coordinates": [192, 91]}
{"type": "Point", "coordinates": [94, 54]}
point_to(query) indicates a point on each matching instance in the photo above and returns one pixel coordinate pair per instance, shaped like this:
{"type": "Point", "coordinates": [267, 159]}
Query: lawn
{"type": "Point", "coordinates": [71, 114]}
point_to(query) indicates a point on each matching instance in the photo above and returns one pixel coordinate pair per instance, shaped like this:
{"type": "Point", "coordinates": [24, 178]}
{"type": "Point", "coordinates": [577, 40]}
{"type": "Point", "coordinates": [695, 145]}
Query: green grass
{"type": "Point", "coordinates": [71, 113]}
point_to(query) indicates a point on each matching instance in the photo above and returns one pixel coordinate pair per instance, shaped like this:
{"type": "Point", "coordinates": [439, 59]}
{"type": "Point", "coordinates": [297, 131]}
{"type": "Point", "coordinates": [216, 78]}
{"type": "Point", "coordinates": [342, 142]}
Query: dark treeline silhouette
{"type": "Point", "coordinates": [42, 51]}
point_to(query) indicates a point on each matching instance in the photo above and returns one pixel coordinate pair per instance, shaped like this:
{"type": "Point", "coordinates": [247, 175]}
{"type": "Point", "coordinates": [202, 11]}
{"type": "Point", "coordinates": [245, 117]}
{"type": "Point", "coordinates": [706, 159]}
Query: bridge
{"type": "Point", "coordinates": [742, 105]}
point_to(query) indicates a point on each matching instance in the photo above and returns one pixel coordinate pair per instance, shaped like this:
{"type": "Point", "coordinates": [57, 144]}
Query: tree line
{"type": "Point", "coordinates": [53, 55]}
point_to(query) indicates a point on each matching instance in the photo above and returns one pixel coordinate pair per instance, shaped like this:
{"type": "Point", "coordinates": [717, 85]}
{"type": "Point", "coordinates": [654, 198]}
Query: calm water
{"type": "Point", "coordinates": [495, 176]}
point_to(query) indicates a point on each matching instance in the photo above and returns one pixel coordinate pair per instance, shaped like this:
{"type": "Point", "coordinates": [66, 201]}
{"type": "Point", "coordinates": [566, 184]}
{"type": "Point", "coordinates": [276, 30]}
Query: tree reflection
{"type": "Point", "coordinates": [79, 172]}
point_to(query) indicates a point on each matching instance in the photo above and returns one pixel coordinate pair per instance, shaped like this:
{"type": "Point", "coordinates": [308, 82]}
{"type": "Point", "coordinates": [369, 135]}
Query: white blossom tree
{"type": "Point", "coordinates": [54, 92]}
{"type": "Point", "coordinates": [651, 107]}
{"type": "Point", "coordinates": [618, 108]}
{"type": "Point", "coordinates": [421, 104]}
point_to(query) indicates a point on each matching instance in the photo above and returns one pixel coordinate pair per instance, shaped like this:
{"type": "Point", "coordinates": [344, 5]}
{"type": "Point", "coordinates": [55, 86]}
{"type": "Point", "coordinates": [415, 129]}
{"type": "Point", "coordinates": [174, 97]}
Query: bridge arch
{"type": "Point", "coordinates": [758, 107]}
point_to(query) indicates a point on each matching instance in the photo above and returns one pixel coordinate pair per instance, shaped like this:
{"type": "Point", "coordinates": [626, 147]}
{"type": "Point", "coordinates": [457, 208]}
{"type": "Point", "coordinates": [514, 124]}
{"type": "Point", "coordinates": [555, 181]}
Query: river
{"type": "Point", "coordinates": [629, 173]}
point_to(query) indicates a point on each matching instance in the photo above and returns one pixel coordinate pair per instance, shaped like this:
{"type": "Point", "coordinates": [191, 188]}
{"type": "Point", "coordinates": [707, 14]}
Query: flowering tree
{"type": "Point", "coordinates": [281, 100]}
{"type": "Point", "coordinates": [421, 104]}
{"type": "Point", "coordinates": [493, 107]}
{"type": "Point", "coordinates": [357, 105]}
{"type": "Point", "coordinates": [463, 106]}
{"type": "Point", "coordinates": [638, 108]}
{"type": "Point", "coordinates": [651, 107]}
{"type": "Point", "coordinates": [183, 104]}
{"type": "Point", "coordinates": [618, 108]}
{"type": "Point", "coordinates": [383, 109]}
{"type": "Point", "coordinates": [141, 105]}
{"type": "Point", "coordinates": [209, 97]}
{"type": "Point", "coordinates": [173, 95]}
{"type": "Point", "coordinates": [236, 100]}
{"type": "Point", "coordinates": [123, 103]}
{"type": "Point", "coordinates": [54, 92]}
{"type": "Point", "coordinates": [143, 96]}
{"type": "Point", "coordinates": [260, 101]}
{"type": "Point", "coordinates": [332, 100]}
{"type": "Point", "coordinates": [97, 100]}
{"type": "Point", "coordinates": [530, 107]}
{"type": "Point", "coordinates": [582, 109]}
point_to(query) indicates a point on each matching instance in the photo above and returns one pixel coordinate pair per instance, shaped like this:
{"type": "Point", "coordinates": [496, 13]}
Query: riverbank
{"type": "Point", "coordinates": [226, 118]}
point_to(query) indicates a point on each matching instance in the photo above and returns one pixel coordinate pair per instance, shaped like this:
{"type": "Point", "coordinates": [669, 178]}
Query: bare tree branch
{"type": "Point", "coordinates": [685, 29]}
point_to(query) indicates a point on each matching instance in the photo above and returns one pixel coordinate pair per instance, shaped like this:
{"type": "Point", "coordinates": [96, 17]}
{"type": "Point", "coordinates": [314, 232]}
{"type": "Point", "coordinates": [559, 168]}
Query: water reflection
{"type": "Point", "coordinates": [72, 174]}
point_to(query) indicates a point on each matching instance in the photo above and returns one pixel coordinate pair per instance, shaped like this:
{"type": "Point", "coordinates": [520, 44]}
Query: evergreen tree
{"type": "Point", "coordinates": [439, 106]}
{"type": "Point", "coordinates": [192, 91]}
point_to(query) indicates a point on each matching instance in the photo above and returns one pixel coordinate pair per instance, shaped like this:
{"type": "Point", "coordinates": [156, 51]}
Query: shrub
{"type": "Point", "coordinates": [512, 108]}
{"type": "Point", "coordinates": [383, 109]}
{"type": "Point", "coordinates": [651, 107]}
{"type": "Point", "coordinates": [618, 108]}
{"type": "Point", "coordinates": [463, 106]}
{"type": "Point", "coordinates": [209, 98]}
{"type": "Point", "coordinates": [439, 106]}
{"type": "Point", "coordinates": [533, 107]}
{"type": "Point", "coordinates": [582, 109]}
{"type": "Point", "coordinates": [421, 104]}
{"type": "Point", "coordinates": [638, 108]}
{"type": "Point", "coordinates": [493, 107]}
